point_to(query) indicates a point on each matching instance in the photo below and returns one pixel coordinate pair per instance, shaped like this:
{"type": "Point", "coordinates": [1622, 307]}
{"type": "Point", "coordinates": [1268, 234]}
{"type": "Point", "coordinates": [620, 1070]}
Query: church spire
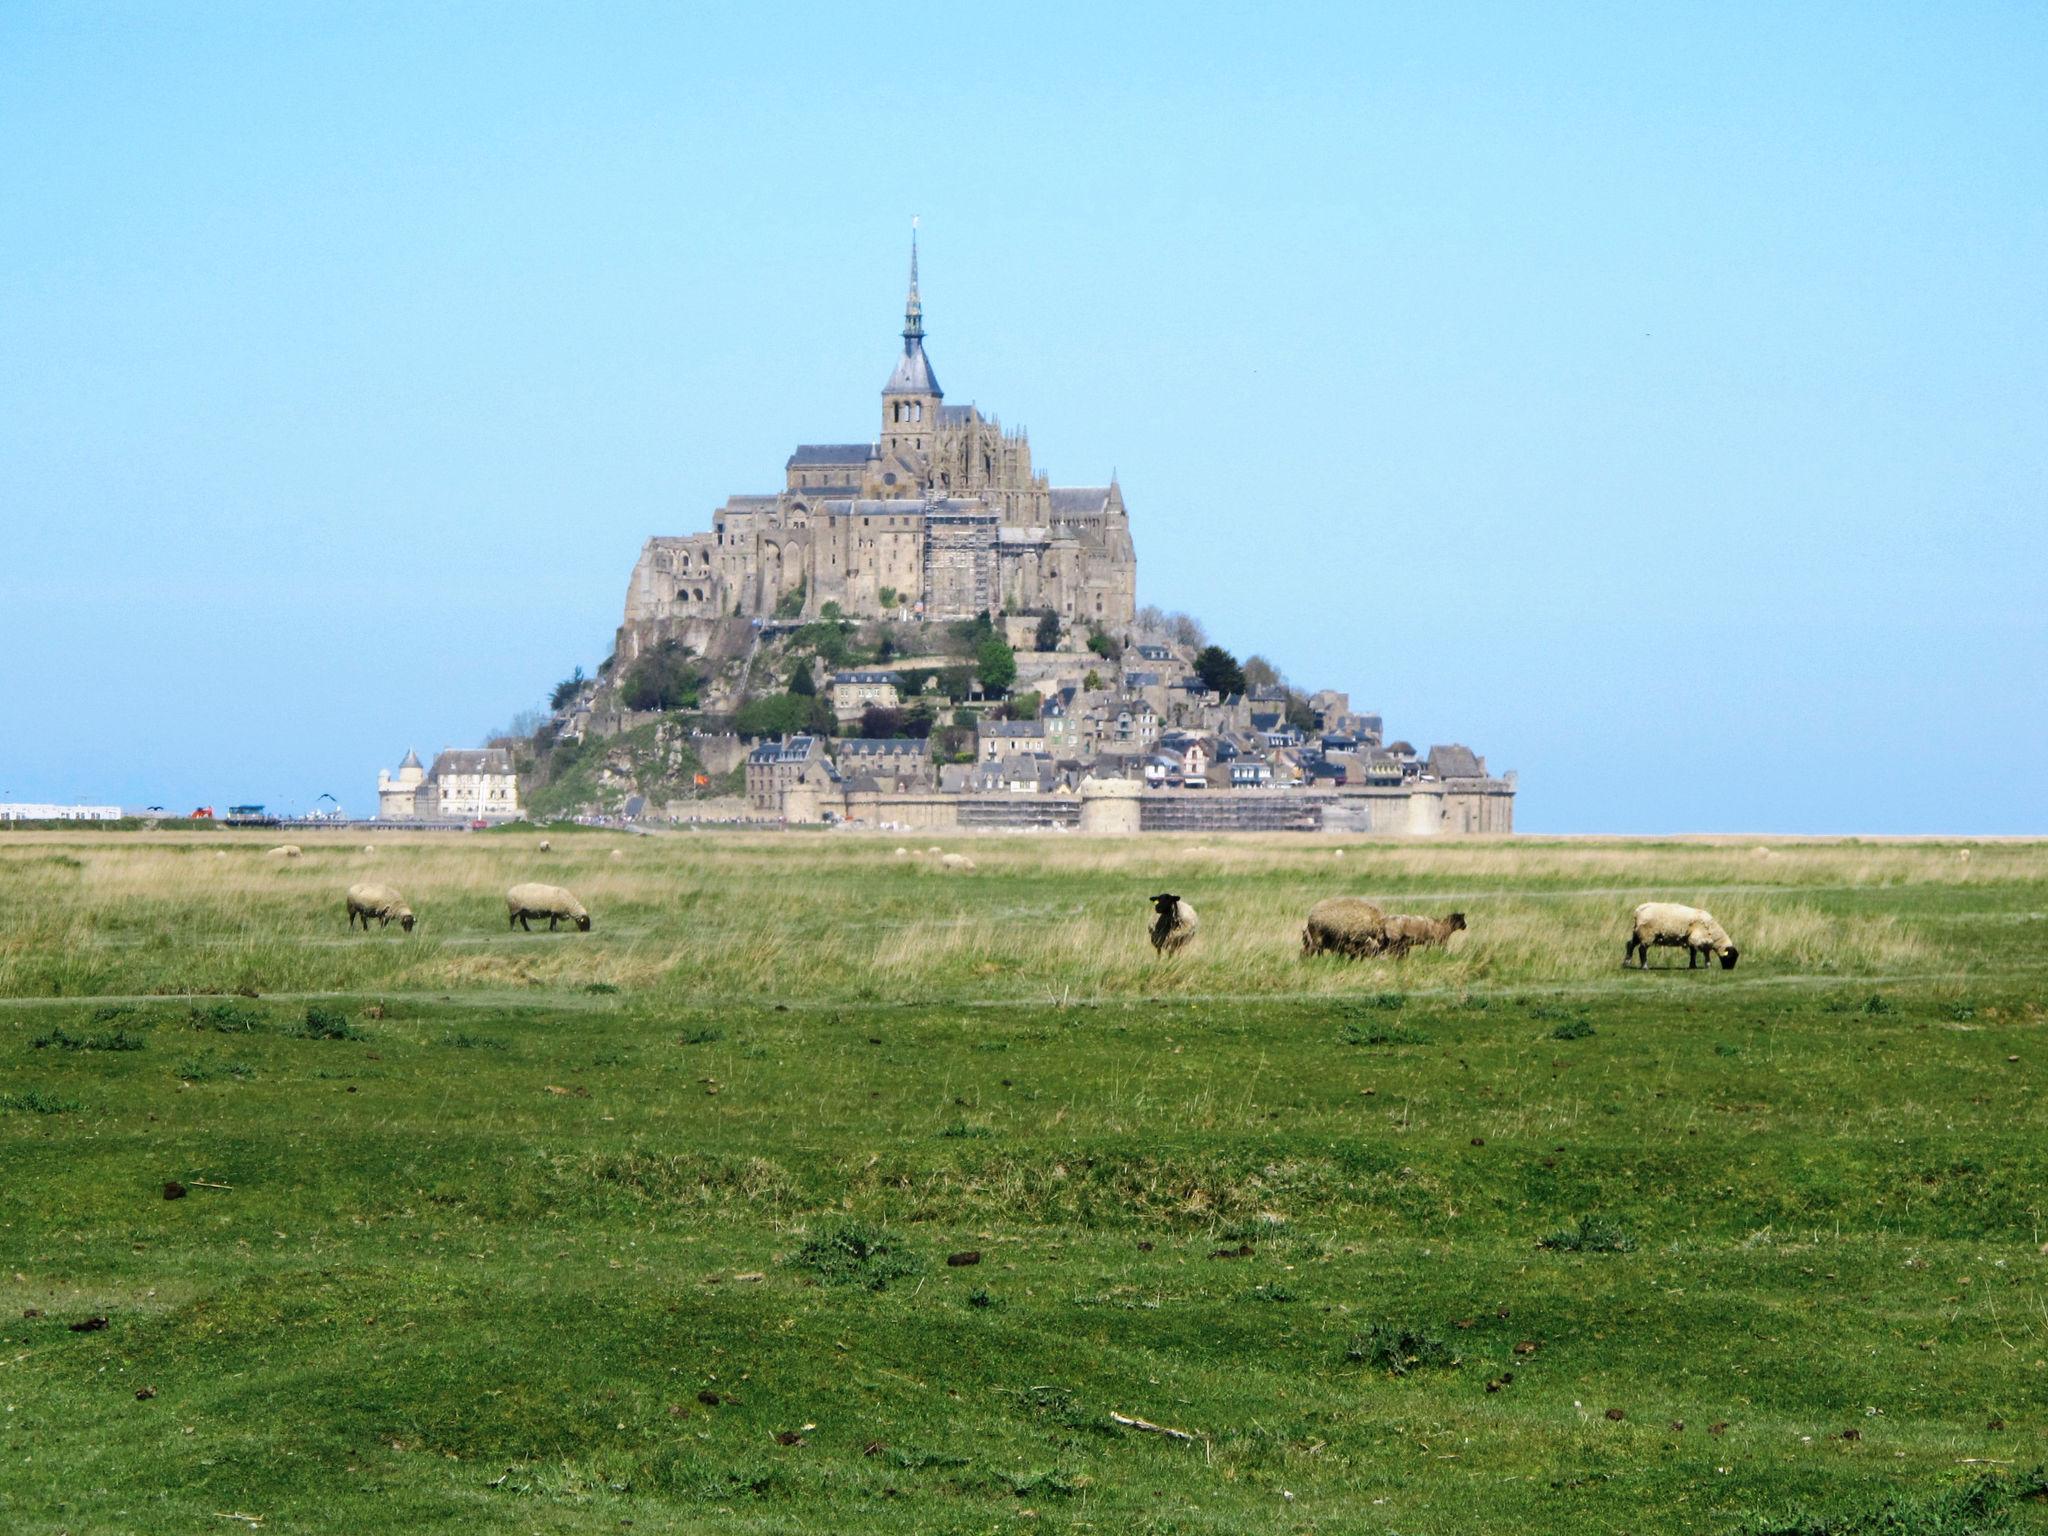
{"type": "Point", "coordinates": [913, 307]}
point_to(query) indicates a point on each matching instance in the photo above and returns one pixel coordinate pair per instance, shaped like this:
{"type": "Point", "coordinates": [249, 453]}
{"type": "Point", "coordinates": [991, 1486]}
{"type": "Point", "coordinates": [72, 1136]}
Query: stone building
{"type": "Point", "coordinates": [774, 768]}
{"type": "Point", "coordinates": [943, 516]}
{"type": "Point", "coordinates": [465, 784]}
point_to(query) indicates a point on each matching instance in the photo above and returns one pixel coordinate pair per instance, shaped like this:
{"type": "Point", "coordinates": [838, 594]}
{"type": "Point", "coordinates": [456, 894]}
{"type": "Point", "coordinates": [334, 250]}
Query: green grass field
{"type": "Point", "coordinates": [651, 1229]}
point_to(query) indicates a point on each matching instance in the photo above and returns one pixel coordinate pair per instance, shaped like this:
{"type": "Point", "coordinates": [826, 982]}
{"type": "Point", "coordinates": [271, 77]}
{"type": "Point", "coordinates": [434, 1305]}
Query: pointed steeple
{"type": "Point", "coordinates": [913, 375]}
{"type": "Point", "coordinates": [913, 307]}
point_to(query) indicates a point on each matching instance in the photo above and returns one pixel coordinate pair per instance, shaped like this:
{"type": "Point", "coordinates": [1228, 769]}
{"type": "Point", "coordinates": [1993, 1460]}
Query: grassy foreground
{"type": "Point", "coordinates": [650, 1229]}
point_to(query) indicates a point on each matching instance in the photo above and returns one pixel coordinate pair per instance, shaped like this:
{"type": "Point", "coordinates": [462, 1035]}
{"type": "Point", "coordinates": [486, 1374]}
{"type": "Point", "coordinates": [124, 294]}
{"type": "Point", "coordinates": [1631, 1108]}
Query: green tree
{"type": "Point", "coordinates": [886, 597]}
{"type": "Point", "coordinates": [996, 664]}
{"type": "Point", "coordinates": [566, 690]}
{"type": "Point", "coordinates": [664, 678]}
{"type": "Point", "coordinates": [776, 714]}
{"type": "Point", "coordinates": [801, 682]}
{"type": "Point", "coordinates": [791, 603]}
{"type": "Point", "coordinates": [1093, 681]}
{"type": "Point", "coordinates": [1026, 706]}
{"type": "Point", "coordinates": [1261, 673]}
{"type": "Point", "coordinates": [1098, 642]}
{"type": "Point", "coordinates": [1048, 637]}
{"type": "Point", "coordinates": [1219, 671]}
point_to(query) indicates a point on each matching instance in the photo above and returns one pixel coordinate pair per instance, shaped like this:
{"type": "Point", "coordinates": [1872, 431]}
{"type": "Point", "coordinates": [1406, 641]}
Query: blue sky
{"type": "Point", "coordinates": [1652, 397]}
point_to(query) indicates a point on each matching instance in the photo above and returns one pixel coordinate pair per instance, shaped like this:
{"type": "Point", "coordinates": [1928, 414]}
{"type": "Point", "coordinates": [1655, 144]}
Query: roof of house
{"type": "Point", "coordinates": [884, 746]}
{"type": "Point", "coordinates": [1012, 728]}
{"type": "Point", "coordinates": [831, 453]}
{"type": "Point", "coordinates": [894, 678]}
{"type": "Point", "coordinates": [1456, 761]}
{"type": "Point", "coordinates": [472, 760]}
{"type": "Point", "coordinates": [795, 749]}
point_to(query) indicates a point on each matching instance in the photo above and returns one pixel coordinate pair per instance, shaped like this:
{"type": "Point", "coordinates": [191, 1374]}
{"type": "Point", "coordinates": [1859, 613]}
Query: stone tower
{"type": "Point", "coordinates": [910, 403]}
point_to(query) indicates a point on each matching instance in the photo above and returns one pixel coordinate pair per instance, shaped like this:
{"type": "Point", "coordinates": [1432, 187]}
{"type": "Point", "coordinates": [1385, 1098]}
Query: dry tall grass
{"type": "Point", "coordinates": [837, 916]}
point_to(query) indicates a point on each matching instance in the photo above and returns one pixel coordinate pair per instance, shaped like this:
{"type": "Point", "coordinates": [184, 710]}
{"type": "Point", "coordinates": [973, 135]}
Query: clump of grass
{"type": "Point", "coordinates": [33, 1101]}
{"type": "Point", "coordinates": [205, 1069]}
{"type": "Point", "coordinates": [1400, 1350]}
{"type": "Point", "coordinates": [107, 1040]}
{"type": "Point", "coordinates": [856, 1254]}
{"type": "Point", "coordinates": [1574, 1029]}
{"type": "Point", "coordinates": [326, 1024]}
{"type": "Point", "coordinates": [1879, 1004]}
{"type": "Point", "coordinates": [1725, 1049]}
{"type": "Point", "coordinates": [228, 1018]}
{"type": "Point", "coordinates": [1271, 1290]}
{"type": "Point", "coordinates": [601, 988]}
{"type": "Point", "coordinates": [700, 1034]}
{"type": "Point", "coordinates": [1961, 1012]}
{"type": "Point", "coordinates": [1356, 1033]}
{"type": "Point", "coordinates": [467, 1042]}
{"type": "Point", "coordinates": [1593, 1234]}
{"type": "Point", "coordinates": [961, 1130]}
{"type": "Point", "coordinates": [981, 1300]}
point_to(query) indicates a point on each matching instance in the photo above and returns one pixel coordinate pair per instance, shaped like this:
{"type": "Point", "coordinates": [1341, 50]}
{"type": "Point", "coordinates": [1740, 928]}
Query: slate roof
{"type": "Point", "coordinates": [884, 746]}
{"type": "Point", "coordinates": [472, 760]}
{"type": "Point", "coordinates": [895, 679]}
{"type": "Point", "coordinates": [955, 415]}
{"type": "Point", "coordinates": [1455, 762]}
{"type": "Point", "coordinates": [913, 375]}
{"type": "Point", "coordinates": [1079, 498]}
{"type": "Point", "coordinates": [831, 453]}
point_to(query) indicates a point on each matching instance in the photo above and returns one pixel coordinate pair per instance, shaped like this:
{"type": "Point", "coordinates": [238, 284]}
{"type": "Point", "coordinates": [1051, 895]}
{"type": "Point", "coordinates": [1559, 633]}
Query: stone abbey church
{"type": "Point", "coordinates": [942, 518]}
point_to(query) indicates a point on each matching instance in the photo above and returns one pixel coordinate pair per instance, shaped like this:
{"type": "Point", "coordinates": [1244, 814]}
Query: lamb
{"type": "Point", "coordinates": [1174, 926]}
{"type": "Point", "coordinates": [285, 851]}
{"type": "Point", "coordinates": [546, 846]}
{"type": "Point", "coordinates": [1349, 926]}
{"type": "Point", "coordinates": [367, 900]}
{"type": "Point", "coordinates": [958, 861]}
{"type": "Point", "coordinates": [548, 901]}
{"type": "Point", "coordinates": [1405, 933]}
{"type": "Point", "coordinates": [1666, 923]}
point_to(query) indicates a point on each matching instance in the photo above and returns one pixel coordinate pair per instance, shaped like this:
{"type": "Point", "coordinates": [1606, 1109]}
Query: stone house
{"type": "Point", "coordinates": [897, 763]}
{"type": "Point", "coordinates": [996, 739]}
{"type": "Point", "coordinates": [855, 692]}
{"type": "Point", "coordinates": [776, 767]}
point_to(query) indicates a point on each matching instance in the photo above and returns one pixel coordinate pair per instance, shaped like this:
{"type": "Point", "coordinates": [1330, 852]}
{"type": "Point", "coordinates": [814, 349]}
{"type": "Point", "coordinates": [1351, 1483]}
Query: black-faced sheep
{"type": "Point", "coordinates": [367, 900]}
{"type": "Point", "coordinates": [548, 901]}
{"type": "Point", "coordinates": [1667, 924]}
{"type": "Point", "coordinates": [1405, 933]}
{"type": "Point", "coordinates": [1173, 924]}
{"type": "Point", "coordinates": [1344, 925]}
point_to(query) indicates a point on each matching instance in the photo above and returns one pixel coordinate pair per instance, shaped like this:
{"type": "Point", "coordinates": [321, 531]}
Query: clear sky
{"type": "Point", "coordinates": [1653, 397]}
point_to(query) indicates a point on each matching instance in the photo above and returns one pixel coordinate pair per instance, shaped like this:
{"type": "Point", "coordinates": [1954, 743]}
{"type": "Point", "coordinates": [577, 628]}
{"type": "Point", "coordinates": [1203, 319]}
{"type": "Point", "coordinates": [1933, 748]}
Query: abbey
{"type": "Point", "coordinates": [943, 517]}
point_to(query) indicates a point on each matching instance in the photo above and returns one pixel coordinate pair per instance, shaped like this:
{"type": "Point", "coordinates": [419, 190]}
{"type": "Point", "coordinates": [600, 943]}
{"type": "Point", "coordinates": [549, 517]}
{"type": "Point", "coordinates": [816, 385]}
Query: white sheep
{"type": "Point", "coordinates": [1173, 925]}
{"type": "Point", "coordinates": [1344, 925]}
{"type": "Point", "coordinates": [935, 850]}
{"type": "Point", "coordinates": [285, 851]}
{"type": "Point", "coordinates": [958, 861]}
{"type": "Point", "coordinates": [368, 849]}
{"type": "Point", "coordinates": [367, 900]}
{"type": "Point", "coordinates": [548, 901]}
{"type": "Point", "coordinates": [902, 853]}
{"type": "Point", "coordinates": [618, 854]}
{"type": "Point", "coordinates": [1668, 924]}
{"type": "Point", "coordinates": [546, 846]}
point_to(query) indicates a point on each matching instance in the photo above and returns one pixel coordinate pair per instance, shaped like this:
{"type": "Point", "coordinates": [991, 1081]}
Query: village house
{"type": "Point", "coordinates": [775, 767]}
{"type": "Point", "coordinates": [853, 693]}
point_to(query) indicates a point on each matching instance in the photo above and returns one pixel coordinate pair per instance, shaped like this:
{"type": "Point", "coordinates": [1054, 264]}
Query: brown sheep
{"type": "Point", "coordinates": [1349, 926]}
{"type": "Point", "coordinates": [1405, 933]}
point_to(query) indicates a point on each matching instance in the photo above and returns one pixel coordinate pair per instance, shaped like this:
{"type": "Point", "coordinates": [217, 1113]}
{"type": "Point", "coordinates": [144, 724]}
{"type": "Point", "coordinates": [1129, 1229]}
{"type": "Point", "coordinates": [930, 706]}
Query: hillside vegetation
{"type": "Point", "coordinates": [821, 1189]}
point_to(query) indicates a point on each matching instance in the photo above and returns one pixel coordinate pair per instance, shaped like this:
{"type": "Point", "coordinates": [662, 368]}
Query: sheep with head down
{"type": "Point", "coordinates": [531, 900]}
{"type": "Point", "coordinates": [367, 899]}
{"type": "Point", "coordinates": [285, 851]}
{"type": "Point", "coordinates": [1404, 932]}
{"type": "Point", "coordinates": [1667, 924]}
{"type": "Point", "coordinates": [1349, 926]}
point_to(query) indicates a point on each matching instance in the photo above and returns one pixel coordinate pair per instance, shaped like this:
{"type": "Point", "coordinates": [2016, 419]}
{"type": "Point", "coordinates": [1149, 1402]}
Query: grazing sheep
{"type": "Point", "coordinates": [548, 901]}
{"type": "Point", "coordinates": [955, 861]}
{"type": "Point", "coordinates": [369, 848]}
{"type": "Point", "coordinates": [366, 901]}
{"type": "Point", "coordinates": [902, 853]}
{"type": "Point", "coordinates": [285, 851]}
{"type": "Point", "coordinates": [1405, 933]}
{"type": "Point", "coordinates": [1344, 925]}
{"type": "Point", "coordinates": [1668, 924]}
{"type": "Point", "coordinates": [935, 849]}
{"type": "Point", "coordinates": [617, 854]}
{"type": "Point", "coordinates": [1174, 926]}
{"type": "Point", "coordinates": [546, 846]}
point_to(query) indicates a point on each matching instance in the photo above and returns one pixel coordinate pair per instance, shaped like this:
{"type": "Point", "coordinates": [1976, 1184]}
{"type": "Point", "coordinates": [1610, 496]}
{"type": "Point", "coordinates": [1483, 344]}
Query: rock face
{"type": "Point", "coordinates": [943, 517]}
